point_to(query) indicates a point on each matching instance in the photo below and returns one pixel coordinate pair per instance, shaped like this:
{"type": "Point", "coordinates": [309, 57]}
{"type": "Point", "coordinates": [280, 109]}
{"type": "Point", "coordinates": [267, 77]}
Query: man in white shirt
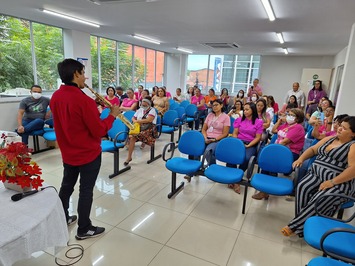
{"type": "Point", "coordinates": [301, 97]}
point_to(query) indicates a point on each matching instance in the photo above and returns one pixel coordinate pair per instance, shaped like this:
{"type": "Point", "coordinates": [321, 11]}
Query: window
{"type": "Point", "coordinates": [94, 62]}
{"type": "Point", "coordinates": [159, 66]}
{"type": "Point", "coordinates": [197, 71]}
{"type": "Point", "coordinates": [125, 65]}
{"type": "Point", "coordinates": [139, 66]}
{"type": "Point", "coordinates": [150, 70]}
{"type": "Point", "coordinates": [108, 63]}
{"type": "Point", "coordinates": [48, 44]}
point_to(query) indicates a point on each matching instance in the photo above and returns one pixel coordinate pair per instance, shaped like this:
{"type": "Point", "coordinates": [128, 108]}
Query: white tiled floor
{"type": "Point", "coordinates": [202, 225]}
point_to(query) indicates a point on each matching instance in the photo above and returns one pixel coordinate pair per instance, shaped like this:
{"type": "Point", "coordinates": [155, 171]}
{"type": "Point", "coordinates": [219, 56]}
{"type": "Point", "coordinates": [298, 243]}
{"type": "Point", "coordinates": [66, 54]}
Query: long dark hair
{"type": "Point", "coordinates": [320, 86]}
{"type": "Point", "coordinates": [351, 121]}
{"type": "Point", "coordinates": [295, 102]}
{"type": "Point", "coordinates": [263, 112]}
{"type": "Point", "coordinates": [254, 111]}
{"type": "Point", "coordinates": [240, 92]}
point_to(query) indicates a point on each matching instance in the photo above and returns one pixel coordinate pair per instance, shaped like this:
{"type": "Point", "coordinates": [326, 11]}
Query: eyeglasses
{"type": "Point", "coordinates": [291, 114]}
{"type": "Point", "coordinates": [214, 105]}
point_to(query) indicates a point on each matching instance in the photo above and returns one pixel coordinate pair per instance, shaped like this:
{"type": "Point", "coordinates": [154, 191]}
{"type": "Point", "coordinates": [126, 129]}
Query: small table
{"type": "Point", "coordinates": [30, 224]}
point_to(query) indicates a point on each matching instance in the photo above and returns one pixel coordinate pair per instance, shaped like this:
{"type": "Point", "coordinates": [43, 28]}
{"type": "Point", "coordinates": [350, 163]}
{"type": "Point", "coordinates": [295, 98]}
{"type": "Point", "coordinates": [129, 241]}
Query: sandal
{"type": "Point", "coordinates": [287, 231]}
{"type": "Point", "coordinates": [231, 186]}
{"type": "Point", "coordinates": [127, 162]}
{"type": "Point", "coordinates": [260, 196]}
{"type": "Point", "coordinates": [236, 188]}
{"type": "Point", "coordinates": [188, 178]}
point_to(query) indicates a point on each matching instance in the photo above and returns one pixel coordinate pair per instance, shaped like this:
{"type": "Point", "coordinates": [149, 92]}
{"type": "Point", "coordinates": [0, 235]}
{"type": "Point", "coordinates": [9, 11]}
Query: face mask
{"type": "Point", "coordinates": [145, 108]}
{"type": "Point", "coordinates": [253, 99]}
{"type": "Point", "coordinates": [290, 119]}
{"type": "Point", "coordinates": [240, 94]}
{"type": "Point", "coordinates": [36, 95]}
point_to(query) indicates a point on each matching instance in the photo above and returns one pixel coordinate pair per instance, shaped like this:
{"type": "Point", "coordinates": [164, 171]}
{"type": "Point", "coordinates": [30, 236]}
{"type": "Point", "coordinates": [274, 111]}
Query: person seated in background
{"type": "Point", "coordinates": [237, 110]}
{"type": "Point", "coordinates": [138, 94]}
{"type": "Point", "coordinates": [179, 97]}
{"type": "Point", "coordinates": [31, 113]}
{"type": "Point", "coordinates": [319, 114]}
{"type": "Point", "coordinates": [190, 93]}
{"type": "Point", "coordinates": [331, 172]}
{"type": "Point", "coordinates": [248, 129]}
{"type": "Point", "coordinates": [215, 128]}
{"type": "Point", "coordinates": [161, 102]}
{"type": "Point", "coordinates": [254, 97]}
{"type": "Point", "coordinates": [318, 134]}
{"type": "Point", "coordinates": [264, 116]}
{"type": "Point", "coordinates": [111, 97]}
{"type": "Point", "coordinates": [225, 99]}
{"type": "Point", "coordinates": [298, 93]}
{"type": "Point", "coordinates": [167, 93]}
{"type": "Point", "coordinates": [321, 128]}
{"type": "Point", "coordinates": [292, 99]}
{"type": "Point", "coordinates": [120, 95]}
{"type": "Point", "coordinates": [273, 104]}
{"type": "Point", "coordinates": [209, 99]}
{"type": "Point", "coordinates": [146, 116]}
{"type": "Point", "coordinates": [199, 100]}
{"type": "Point", "coordinates": [241, 97]}
{"type": "Point", "coordinates": [130, 103]}
{"type": "Point", "coordinates": [315, 107]}
{"type": "Point", "coordinates": [144, 94]}
{"type": "Point", "coordinates": [155, 91]}
{"type": "Point", "coordinates": [290, 134]}
{"type": "Point", "coordinates": [315, 94]}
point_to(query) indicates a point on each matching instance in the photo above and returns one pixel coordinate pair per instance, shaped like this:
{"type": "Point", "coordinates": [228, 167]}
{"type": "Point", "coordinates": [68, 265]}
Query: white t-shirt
{"type": "Point", "coordinates": [140, 113]}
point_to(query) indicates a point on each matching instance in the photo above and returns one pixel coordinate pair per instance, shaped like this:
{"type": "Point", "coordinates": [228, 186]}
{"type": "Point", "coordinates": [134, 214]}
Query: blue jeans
{"type": "Point", "coordinates": [31, 125]}
{"type": "Point", "coordinates": [88, 175]}
{"type": "Point", "coordinates": [211, 158]}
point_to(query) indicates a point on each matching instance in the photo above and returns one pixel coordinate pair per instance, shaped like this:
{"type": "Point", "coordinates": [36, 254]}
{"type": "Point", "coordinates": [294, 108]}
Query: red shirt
{"type": "Point", "coordinates": [78, 126]}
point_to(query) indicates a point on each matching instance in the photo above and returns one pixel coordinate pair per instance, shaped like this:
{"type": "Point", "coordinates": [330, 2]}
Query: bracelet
{"type": "Point", "coordinates": [332, 181]}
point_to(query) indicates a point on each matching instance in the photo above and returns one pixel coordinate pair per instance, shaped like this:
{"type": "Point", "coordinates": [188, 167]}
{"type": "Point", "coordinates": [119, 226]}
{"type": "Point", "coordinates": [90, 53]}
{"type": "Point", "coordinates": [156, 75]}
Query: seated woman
{"type": "Point", "coordinates": [161, 102]}
{"type": "Point", "coordinates": [111, 97]}
{"type": "Point", "coordinates": [237, 109]}
{"type": "Point", "coordinates": [292, 100]}
{"type": "Point", "coordinates": [209, 99]}
{"type": "Point", "coordinates": [290, 134]}
{"type": "Point", "coordinates": [241, 97]}
{"type": "Point", "coordinates": [264, 116]}
{"type": "Point", "coordinates": [146, 116]}
{"type": "Point", "coordinates": [331, 172]}
{"type": "Point", "coordinates": [225, 98]}
{"type": "Point", "coordinates": [317, 134]}
{"type": "Point", "coordinates": [248, 129]}
{"type": "Point", "coordinates": [319, 114]}
{"type": "Point", "coordinates": [143, 94]}
{"type": "Point", "coordinates": [321, 128]}
{"type": "Point", "coordinates": [199, 100]}
{"type": "Point", "coordinates": [179, 97]}
{"type": "Point", "coordinates": [130, 103]}
{"type": "Point", "coordinates": [215, 128]}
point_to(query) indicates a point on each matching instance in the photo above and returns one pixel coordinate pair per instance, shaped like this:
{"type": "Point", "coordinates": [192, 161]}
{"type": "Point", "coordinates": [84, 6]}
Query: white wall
{"type": "Point", "coordinates": [339, 59]}
{"type": "Point", "coordinates": [172, 72]}
{"type": "Point", "coordinates": [277, 73]}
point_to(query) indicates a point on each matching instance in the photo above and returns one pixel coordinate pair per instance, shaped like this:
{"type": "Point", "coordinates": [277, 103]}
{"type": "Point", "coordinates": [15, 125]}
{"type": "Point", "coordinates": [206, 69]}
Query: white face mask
{"type": "Point", "coordinates": [240, 94]}
{"type": "Point", "coordinates": [290, 119]}
{"type": "Point", "coordinates": [36, 95]}
{"type": "Point", "coordinates": [253, 99]}
{"type": "Point", "coordinates": [145, 108]}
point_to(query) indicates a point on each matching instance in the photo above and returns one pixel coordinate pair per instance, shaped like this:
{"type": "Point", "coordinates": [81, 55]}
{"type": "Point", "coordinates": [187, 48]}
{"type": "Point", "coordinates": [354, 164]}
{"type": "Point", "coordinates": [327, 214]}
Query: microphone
{"type": "Point", "coordinates": [22, 195]}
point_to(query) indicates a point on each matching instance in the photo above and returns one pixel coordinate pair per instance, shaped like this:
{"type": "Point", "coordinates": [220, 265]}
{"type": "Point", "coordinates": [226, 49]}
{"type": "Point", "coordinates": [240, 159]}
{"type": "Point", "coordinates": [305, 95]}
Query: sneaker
{"type": "Point", "coordinates": [94, 231]}
{"type": "Point", "coordinates": [72, 219]}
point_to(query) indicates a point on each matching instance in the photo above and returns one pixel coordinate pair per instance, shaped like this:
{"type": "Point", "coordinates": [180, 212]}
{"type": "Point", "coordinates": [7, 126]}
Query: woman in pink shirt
{"type": "Point", "coordinates": [199, 100]}
{"type": "Point", "coordinates": [111, 97]}
{"type": "Point", "coordinates": [215, 128]}
{"type": "Point", "coordinates": [290, 134]}
{"type": "Point", "coordinates": [248, 129]}
{"type": "Point", "coordinates": [130, 103]}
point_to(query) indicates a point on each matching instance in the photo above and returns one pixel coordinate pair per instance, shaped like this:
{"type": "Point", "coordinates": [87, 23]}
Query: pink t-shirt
{"type": "Point", "coordinates": [127, 102]}
{"type": "Point", "coordinates": [114, 101]}
{"type": "Point", "coordinates": [295, 133]}
{"type": "Point", "coordinates": [196, 100]}
{"type": "Point", "coordinates": [247, 131]}
{"type": "Point", "coordinates": [168, 95]}
{"type": "Point", "coordinates": [215, 124]}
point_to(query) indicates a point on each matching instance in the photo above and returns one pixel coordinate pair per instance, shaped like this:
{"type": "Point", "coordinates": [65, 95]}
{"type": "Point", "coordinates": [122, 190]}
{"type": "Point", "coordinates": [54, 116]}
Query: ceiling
{"type": "Point", "coordinates": [309, 27]}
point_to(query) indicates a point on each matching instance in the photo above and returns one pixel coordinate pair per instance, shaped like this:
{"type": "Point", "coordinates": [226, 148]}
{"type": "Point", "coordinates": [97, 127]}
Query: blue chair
{"type": "Point", "coordinates": [191, 114]}
{"type": "Point", "coordinates": [184, 103]}
{"type": "Point", "coordinates": [322, 232]}
{"type": "Point", "coordinates": [118, 135]}
{"type": "Point", "coordinates": [191, 143]}
{"type": "Point", "coordinates": [104, 114]}
{"type": "Point", "coordinates": [273, 138]}
{"type": "Point", "coordinates": [230, 151]}
{"type": "Point", "coordinates": [274, 158]}
{"type": "Point", "coordinates": [173, 106]}
{"type": "Point", "coordinates": [129, 114]}
{"type": "Point", "coordinates": [171, 101]}
{"type": "Point", "coordinates": [170, 123]}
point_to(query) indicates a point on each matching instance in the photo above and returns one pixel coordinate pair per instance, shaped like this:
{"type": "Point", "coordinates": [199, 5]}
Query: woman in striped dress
{"type": "Point", "coordinates": [331, 172]}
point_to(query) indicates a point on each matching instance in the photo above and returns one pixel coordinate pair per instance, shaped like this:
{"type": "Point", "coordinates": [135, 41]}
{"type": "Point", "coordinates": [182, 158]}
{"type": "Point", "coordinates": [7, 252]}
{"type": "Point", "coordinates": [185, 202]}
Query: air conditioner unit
{"type": "Point", "coordinates": [221, 45]}
{"type": "Point", "coordinates": [119, 1]}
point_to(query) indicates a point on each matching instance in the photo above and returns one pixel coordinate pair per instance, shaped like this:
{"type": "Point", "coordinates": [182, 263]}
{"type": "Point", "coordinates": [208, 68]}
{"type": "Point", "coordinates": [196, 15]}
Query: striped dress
{"type": "Point", "coordinates": [327, 166]}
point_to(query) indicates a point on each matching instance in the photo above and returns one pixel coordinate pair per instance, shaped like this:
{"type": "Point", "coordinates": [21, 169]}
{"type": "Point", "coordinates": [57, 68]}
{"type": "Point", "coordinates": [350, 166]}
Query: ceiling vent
{"type": "Point", "coordinates": [221, 45]}
{"type": "Point", "coordinates": [119, 1]}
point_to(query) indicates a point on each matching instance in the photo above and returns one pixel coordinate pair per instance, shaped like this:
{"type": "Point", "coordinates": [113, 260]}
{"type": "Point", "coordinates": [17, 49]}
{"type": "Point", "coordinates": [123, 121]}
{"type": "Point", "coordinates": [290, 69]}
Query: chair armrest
{"type": "Point", "coordinates": [159, 128]}
{"type": "Point", "coordinates": [331, 254]}
{"type": "Point", "coordinates": [334, 195]}
{"type": "Point", "coordinates": [196, 115]}
{"type": "Point", "coordinates": [168, 147]}
{"type": "Point", "coordinates": [184, 118]}
{"type": "Point", "coordinates": [116, 137]}
{"type": "Point", "coordinates": [176, 123]}
{"type": "Point", "coordinates": [250, 168]}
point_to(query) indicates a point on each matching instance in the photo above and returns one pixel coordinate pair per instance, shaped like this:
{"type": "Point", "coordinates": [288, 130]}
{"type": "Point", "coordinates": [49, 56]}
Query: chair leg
{"type": "Point", "coordinates": [180, 129]}
{"type": "Point", "coordinates": [245, 197]}
{"type": "Point", "coordinates": [340, 214]}
{"type": "Point", "coordinates": [152, 157]}
{"type": "Point", "coordinates": [116, 167]}
{"type": "Point", "coordinates": [36, 148]}
{"type": "Point", "coordinates": [174, 189]}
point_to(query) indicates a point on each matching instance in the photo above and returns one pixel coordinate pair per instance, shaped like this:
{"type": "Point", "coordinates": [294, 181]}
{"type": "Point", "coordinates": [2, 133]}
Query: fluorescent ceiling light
{"type": "Point", "coordinates": [279, 35]}
{"type": "Point", "coordinates": [147, 39]}
{"type": "Point", "coordinates": [268, 9]}
{"type": "Point", "coordinates": [70, 18]}
{"type": "Point", "coordinates": [285, 50]}
{"type": "Point", "coordinates": [184, 50]}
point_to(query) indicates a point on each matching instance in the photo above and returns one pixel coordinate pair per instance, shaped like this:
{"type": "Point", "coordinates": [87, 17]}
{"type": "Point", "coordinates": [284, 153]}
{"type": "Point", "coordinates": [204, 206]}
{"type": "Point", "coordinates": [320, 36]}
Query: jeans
{"type": "Point", "coordinates": [31, 125]}
{"type": "Point", "coordinates": [88, 175]}
{"type": "Point", "coordinates": [211, 158]}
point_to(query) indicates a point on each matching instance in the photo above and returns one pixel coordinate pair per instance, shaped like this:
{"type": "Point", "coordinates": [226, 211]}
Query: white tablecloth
{"type": "Point", "coordinates": [31, 224]}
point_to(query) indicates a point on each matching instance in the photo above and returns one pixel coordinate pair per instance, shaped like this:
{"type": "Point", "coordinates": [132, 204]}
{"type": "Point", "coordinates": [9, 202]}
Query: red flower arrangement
{"type": "Point", "coordinates": [16, 166]}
